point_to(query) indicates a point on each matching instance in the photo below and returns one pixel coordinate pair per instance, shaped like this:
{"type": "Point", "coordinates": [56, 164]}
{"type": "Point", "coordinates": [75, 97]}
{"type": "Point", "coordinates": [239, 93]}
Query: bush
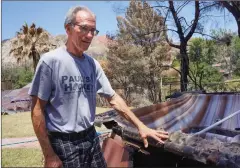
{"type": "Point", "coordinates": [23, 77]}
{"type": "Point", "coordinates": [18, 75]}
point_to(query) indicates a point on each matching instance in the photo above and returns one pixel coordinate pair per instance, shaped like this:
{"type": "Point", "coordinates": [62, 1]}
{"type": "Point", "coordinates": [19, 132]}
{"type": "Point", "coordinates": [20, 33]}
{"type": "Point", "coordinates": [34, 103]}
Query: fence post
{"type": "Point", "coordinates": [170, 89]}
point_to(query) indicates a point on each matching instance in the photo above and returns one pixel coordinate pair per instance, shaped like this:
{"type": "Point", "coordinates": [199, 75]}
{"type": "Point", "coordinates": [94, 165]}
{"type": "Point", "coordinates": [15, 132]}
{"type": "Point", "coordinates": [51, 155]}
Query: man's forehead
{"type": "Point", "coordinates": [85, 18]}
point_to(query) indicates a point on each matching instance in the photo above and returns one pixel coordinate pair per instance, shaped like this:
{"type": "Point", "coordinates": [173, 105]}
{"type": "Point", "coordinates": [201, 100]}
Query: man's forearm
{"type": "Point", "coordinates": [119, 105]}
{"type": "Point", "coordinates": [39, 126]}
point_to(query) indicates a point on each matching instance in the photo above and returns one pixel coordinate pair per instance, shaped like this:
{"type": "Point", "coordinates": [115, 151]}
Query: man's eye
{"type": "Point", "coordinates": [84, 28]}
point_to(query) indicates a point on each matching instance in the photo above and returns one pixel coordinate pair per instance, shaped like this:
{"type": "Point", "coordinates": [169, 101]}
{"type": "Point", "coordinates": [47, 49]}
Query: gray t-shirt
{"type": "Point", "coordinates": [69, 84]}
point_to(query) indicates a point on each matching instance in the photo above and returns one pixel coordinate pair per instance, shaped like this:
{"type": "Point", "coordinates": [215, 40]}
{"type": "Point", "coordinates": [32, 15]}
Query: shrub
{"type": "Point", "coordinates": [23, 77]}
{"type": "Point", "coordinates": [19, 76]}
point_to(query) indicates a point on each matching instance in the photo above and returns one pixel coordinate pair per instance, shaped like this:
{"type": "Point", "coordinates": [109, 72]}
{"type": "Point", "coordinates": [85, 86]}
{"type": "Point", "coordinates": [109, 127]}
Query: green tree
{"type": "Point", "coordinates": [203, 74]}
{"type": "Point", "coordinates": [142, 25]}
{"type": "Point", "coordinates": [139, 51]}
{"type": "Point", "coordinates": [17, 75]}
{"type": "Point", "coordinates": [22, 78]}
{"type": "Point", "coordinates": [123, 64]}
{"type": "Point", "coordinates": [202, 55]}
{"type": "Point", "coordinates": [235, 46]}
{"type": "Point", "coordinates": [202, 50]}
{"type": "Point", "coordinates": [228, 50]}
{"type": "Point", "coordinates": [30, 43]}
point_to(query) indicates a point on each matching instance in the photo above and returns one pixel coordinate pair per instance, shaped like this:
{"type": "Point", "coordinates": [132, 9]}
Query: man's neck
{"type": "Point", "coordinates": [73, 50]}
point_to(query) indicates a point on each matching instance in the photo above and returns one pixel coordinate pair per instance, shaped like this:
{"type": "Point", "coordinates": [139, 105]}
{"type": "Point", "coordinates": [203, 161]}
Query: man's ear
{"type": "Point", "coordinates": [68, 29]}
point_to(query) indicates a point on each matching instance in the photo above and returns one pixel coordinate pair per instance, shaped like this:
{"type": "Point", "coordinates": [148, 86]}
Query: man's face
{"type": "Point", "coordinates": [81, 33]}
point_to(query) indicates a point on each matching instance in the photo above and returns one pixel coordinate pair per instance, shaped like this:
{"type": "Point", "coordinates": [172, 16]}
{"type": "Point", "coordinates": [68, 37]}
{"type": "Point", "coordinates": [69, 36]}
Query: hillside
{"type": "Point", "coordinates": [97, 48]}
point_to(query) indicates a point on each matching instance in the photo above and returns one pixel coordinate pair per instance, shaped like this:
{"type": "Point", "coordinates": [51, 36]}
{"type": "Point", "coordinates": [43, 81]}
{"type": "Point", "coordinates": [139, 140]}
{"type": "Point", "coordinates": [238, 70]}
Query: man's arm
{"type": "Point", "coordinates": [39, 126]}
{"type": "Point", "coordinates": [120, 106]}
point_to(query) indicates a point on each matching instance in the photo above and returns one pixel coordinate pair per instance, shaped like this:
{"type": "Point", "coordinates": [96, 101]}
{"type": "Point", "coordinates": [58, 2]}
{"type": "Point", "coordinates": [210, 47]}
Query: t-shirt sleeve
{"type": "Point", "coordinates": [104, 87]}
{"type": "Point", "coordinates": [42, 81]}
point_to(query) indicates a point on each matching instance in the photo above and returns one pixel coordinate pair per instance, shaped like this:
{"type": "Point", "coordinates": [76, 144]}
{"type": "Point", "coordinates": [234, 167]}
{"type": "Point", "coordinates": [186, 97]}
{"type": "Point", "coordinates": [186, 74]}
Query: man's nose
{"type": "Point", "coordinates": [90, 34]}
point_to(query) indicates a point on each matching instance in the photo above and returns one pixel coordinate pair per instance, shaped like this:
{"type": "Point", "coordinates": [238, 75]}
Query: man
{"type": "Point", "coordinates": [64, 99]}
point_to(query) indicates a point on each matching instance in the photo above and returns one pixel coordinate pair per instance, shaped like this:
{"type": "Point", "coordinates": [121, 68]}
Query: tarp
{"type": "Point", "coordinates": [16, 100]}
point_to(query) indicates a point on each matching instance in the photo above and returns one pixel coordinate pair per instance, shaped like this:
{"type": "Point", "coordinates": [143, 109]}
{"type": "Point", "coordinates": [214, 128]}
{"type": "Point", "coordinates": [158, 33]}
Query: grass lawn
{"type": "Point", "coordinates": [21, 157]}
{"type": "Point", "coordinates": [20, 124]}
{"type": "Point", "coordinates": [17, 125]}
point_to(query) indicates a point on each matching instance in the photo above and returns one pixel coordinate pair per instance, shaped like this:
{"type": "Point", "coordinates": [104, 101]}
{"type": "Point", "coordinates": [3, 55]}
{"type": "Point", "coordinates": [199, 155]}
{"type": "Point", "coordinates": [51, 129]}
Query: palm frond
{"type": "Point", "coordinates": [32, 31]}
{"type": "Point", "coordinates": [19, 60]}
{"type": "Point", "coordinates": [39, 30]}
{"type": "Point", "coordinates": [33, 26]}
{"type": "Point", "coordinates": [25, 29]}
{"type": "Point", "coordinates": [31, 41]}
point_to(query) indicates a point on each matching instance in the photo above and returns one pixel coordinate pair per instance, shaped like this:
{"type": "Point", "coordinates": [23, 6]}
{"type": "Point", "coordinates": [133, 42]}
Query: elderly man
{"type": "Point", "coordinates": [64, 99]}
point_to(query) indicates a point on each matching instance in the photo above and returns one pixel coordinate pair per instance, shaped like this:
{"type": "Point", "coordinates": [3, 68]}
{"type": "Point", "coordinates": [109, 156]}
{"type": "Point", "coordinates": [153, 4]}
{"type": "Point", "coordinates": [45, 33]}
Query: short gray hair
{"type": "Point", "coordinates": [71, 14]}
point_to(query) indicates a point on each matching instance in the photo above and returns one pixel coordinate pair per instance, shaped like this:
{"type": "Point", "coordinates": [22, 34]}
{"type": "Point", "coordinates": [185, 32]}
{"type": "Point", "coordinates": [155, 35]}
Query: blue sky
{"type": "Point", "coordinates": [50, 16]}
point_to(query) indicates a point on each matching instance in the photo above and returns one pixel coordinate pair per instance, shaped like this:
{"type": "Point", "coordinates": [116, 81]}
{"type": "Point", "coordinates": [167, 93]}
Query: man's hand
{"type": "Point", "coordinates": [53, 161]}
{"type": "Point", "coordinates": [120, 106]}
{"type": "Point", "coordinates": [159, 136]}
{"type": "Point", "coordinates": [39, 126]}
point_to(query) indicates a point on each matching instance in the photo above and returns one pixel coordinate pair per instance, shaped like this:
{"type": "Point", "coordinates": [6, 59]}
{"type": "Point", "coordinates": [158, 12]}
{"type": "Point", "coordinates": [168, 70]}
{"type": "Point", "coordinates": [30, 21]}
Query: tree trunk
{"type": "Point", "coordinates": [238, 24]}
{"type": "Point", "coordinates": [183, 41]}
{"type": "Point", "coordinates": [160, 91]}
{"type": "Point", "coordinates": [233, 10]}
{"type": "Point", "coordinates": [34, 61]}
{"type": "Point", "coordinates": [35, 57]}
{"type": "Point", "coordinates": [237, 18]}
{"type": "Point", "coordinates": [184, 67]}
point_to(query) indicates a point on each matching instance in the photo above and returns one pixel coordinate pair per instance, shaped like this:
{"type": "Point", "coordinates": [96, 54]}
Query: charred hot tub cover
{"type": "Point", "coordinates": [183, 117]}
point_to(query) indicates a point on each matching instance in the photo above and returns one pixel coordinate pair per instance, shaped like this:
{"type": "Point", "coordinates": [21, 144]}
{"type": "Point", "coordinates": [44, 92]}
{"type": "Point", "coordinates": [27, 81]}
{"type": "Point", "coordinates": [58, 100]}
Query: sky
{"type": "Point", "coordinates": [51, 14]}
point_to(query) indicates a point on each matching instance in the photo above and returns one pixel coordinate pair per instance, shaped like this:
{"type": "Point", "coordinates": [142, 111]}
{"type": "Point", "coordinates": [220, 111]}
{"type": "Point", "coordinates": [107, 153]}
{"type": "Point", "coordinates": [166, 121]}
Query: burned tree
{"type": "Point", "coordinates": [172, 11]}
{"type": "Point", "coordinates": [234, 8]}
{"type": "Point", "coordinates": [184, 31]}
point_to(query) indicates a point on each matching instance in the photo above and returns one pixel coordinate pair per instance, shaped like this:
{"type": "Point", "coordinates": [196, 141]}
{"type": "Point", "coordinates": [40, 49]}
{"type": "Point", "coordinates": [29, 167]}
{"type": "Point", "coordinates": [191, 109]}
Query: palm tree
{"type": "Point", "coordinates": [30, 43]}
